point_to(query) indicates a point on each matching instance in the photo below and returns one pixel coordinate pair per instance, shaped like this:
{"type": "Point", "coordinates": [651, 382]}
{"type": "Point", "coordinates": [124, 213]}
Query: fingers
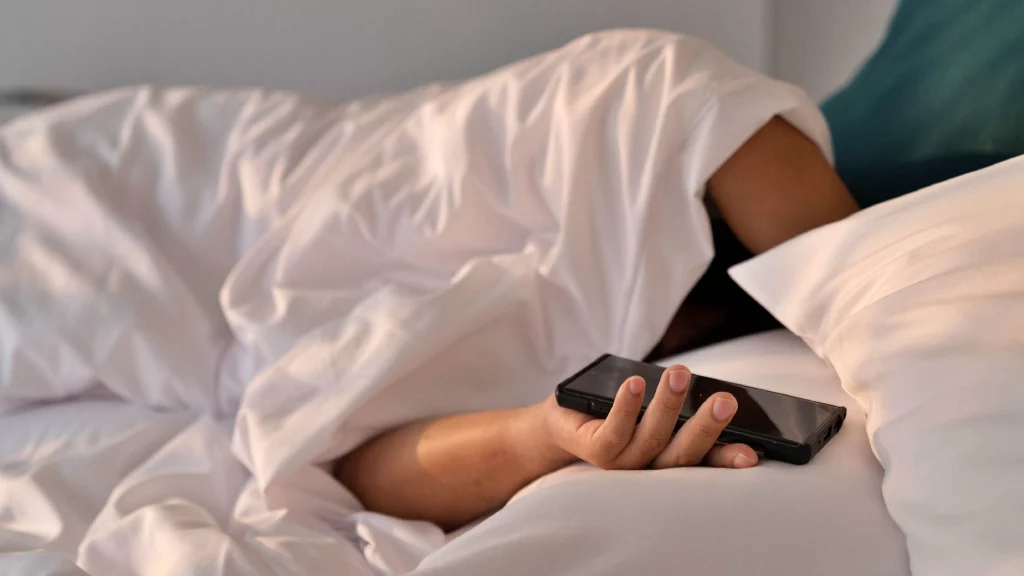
{"type": "Point", "coordinates": [698, 435]}
{"type": "Point", "coordinates": [618, 425]}
{"type": "Point", "coordinates": [654, 432]}
{"type": "Point", "coordinates": [608, 437]}
{"type": "Point", "coordinates": [731, 456]}
{"type": "Point", "coordinates": [617, 441]}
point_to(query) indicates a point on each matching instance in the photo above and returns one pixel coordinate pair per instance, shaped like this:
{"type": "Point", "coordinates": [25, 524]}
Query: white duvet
{"type": "Point", "coordinates": [245, 285]}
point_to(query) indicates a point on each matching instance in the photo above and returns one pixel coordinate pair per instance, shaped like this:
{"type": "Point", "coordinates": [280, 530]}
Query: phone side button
{"type": "Point", "coordinates": [598, 409]}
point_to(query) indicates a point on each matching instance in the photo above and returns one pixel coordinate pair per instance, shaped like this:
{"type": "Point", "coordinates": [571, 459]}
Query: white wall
{"type": "Point", "coordinates": [332, 48]}
{"type": "Point", "coordinates": [819, 44]}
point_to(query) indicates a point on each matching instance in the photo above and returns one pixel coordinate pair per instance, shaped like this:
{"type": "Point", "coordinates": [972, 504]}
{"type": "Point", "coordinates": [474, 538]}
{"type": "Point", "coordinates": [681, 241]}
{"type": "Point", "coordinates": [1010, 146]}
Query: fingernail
{"type": "Point", "coordinates": [743, 461]}
{"type": "Point", "coordinates": [723, 409]}
{"type": "Point", "coordinates": [636, 386]}
{"type": "Point", "coordinates": [677, 380]}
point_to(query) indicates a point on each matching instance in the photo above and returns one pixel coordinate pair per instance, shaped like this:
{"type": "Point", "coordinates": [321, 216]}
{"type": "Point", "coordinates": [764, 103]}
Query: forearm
{"type": "Point", "coordinates": [453, 469]}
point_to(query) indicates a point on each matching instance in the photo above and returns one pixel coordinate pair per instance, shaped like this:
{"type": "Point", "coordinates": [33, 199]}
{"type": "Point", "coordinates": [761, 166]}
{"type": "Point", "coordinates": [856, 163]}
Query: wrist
{"type": "Point", "coordinates": [534, 443]}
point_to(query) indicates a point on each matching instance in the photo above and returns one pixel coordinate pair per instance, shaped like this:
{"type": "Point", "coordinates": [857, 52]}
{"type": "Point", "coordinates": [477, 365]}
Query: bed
{"type": "Point", "coordinates": [239, 286]}
{"type": "Point", "coordinates": [189, 274]}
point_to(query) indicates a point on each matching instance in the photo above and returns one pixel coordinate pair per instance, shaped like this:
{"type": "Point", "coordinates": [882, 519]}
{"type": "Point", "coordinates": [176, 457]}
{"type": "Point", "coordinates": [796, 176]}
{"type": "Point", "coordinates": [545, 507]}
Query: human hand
{"type": "Point", "coordinates": [618, 442]}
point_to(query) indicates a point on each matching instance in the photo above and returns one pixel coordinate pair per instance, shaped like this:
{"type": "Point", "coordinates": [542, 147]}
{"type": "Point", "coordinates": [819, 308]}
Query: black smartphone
{"type": "Point", "coordinates": [779, 426]}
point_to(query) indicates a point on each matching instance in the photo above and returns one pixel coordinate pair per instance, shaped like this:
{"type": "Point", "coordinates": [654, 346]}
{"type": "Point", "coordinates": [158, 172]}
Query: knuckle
{"type": "Point", "coordinates": [706, 432]}
{"type": "Point", "coordinates": [625, 411]}
{"type": "Point", "coordinates": [654, 444]}
{"type": "Point", "coordinates": [670, 408]}
{"type": "Point", "coordinates": [605, 463]}
{"type": "Point", "coordinates": [688, 455]}
{"type": "Point", "coordinates": [608, 445]}
{"type": "Point", "coordinates": [696, 440]}
{"type": "Point", "coordinates": [689, 458]}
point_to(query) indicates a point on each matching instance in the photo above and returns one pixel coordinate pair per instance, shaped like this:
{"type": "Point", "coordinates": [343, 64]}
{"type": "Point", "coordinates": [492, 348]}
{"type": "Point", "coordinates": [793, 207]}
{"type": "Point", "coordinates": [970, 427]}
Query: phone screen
{"type": "Point", "coordinates": [758, 411]}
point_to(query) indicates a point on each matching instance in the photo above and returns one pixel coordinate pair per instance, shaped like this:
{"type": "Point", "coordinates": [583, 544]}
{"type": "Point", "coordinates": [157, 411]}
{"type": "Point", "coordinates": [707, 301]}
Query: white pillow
{"type": "Point", "coordinates": [918, 303]}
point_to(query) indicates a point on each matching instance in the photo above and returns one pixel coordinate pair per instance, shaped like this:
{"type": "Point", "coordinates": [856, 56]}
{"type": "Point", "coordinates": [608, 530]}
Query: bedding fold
{"type": "Point", "coordinates": [298, 277]}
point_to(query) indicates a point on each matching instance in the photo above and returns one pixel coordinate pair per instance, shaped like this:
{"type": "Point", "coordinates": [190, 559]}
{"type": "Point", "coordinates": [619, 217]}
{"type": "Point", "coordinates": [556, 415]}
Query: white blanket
{"type": "Point", "coordinates": [283, 279]}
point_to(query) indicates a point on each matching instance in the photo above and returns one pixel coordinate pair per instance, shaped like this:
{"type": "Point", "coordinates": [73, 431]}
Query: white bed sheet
{"type": "Point", "coordinates": [61, 463]}
{"type": "Point", "coordinates": [826, 517]}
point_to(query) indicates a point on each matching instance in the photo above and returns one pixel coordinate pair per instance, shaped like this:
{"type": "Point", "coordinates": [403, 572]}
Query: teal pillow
{"type": "Point", "coordinates": [942, 96]}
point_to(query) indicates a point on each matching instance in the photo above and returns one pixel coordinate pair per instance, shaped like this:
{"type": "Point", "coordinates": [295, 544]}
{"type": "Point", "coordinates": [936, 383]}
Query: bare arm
{"type": "Point", "coordinates": [454, 469]}
{"type": "Point", "coordinates": [773, 188]}
{"type": "Point", "coordinates": [776, 186]}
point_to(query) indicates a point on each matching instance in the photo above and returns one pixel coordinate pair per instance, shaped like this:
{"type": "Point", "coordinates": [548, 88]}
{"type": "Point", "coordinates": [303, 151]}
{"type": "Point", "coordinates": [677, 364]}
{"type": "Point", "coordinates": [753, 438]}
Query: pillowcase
{"type": "Point", "coordinates": [939, 98]}
{"type": "Point", "coordinates": [918, 303]}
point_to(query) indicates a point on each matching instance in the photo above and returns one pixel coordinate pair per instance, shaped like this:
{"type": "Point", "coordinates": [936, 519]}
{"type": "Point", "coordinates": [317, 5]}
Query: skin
{"type": "Point", "coordinates": [454, 469]}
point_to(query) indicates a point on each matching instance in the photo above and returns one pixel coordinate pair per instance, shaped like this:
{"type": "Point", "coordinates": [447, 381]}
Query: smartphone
{"type": "Point", "coordinates": [779, 426]}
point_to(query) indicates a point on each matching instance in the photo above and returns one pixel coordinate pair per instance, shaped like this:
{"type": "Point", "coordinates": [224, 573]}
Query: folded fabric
{"type": "Point", "coordinates": [316, 274]}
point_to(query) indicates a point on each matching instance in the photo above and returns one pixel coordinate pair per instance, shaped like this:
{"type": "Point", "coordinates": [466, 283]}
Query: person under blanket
{"type": "Point", "coordinates": [453, 469]}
